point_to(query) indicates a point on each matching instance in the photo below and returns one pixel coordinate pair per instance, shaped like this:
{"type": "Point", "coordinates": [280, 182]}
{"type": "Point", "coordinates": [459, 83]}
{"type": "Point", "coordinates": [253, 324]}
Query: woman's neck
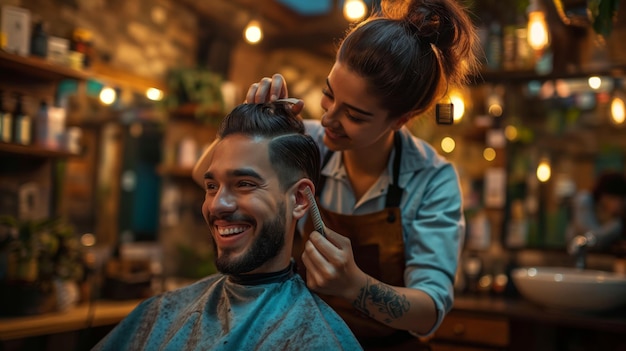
{"type": "Point", "coordinates": [364, 166]}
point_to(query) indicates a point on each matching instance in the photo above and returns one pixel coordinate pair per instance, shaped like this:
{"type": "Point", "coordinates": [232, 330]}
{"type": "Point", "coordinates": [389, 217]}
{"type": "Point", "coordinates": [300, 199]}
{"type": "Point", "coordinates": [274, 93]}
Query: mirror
{"type": "Point", "coordinates": [567, 137]}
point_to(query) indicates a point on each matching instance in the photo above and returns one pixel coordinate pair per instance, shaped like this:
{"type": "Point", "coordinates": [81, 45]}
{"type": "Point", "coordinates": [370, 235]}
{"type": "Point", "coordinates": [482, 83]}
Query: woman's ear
{"type": "Point", "coordinates": [398, 123]}
{"type": "Point", "coordinates": [301, 201]}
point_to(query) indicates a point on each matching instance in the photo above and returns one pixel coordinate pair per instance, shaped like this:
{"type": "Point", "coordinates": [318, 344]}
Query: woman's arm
{"type": "Point", "coordinates": [331, 270]}
{"type": "Point", "coordinates": [432, 242]}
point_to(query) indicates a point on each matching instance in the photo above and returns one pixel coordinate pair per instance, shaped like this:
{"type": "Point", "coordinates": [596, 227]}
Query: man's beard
{"type": "Point", "coordinates": [265, 246]}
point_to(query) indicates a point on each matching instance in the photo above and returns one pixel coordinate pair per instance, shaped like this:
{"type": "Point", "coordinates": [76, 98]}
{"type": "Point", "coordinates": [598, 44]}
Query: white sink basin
{"type": "Point", "coordinates": [570, 288]}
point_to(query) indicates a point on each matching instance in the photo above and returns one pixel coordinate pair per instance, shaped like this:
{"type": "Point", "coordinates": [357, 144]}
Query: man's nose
{"type": "Point", "coordinates": [222, 202]}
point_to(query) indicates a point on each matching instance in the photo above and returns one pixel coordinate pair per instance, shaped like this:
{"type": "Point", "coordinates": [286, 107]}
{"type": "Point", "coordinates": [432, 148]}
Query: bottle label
{"type": "Point", "coordinates": [6, 127]}
{"type": "Point", "coordinates": [24, 133]}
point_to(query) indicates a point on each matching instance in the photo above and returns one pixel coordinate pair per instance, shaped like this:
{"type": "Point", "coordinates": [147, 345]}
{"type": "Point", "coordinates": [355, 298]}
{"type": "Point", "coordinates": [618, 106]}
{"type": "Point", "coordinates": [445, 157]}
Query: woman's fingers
{"type": "Point", "coordinates": [278, 88]}
{"type": "Point", "coordinates": [267, 90]}
{"type": "Point", "coordinates": [271, 89]}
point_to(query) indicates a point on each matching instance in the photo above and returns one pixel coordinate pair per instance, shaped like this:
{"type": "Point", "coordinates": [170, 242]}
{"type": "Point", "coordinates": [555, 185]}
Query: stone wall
{"type": "Point", "coordinates": [145, 37]}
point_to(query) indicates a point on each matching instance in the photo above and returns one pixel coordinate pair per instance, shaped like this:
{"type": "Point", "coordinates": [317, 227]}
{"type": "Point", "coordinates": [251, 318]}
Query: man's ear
{"type": "Point", "coordinates": [301, 201]}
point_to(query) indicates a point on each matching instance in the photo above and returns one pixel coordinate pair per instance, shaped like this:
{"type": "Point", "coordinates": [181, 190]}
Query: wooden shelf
{"type": "Point", "coordinates": [104, 312]}
{"type": "Point", "coordinates": [195, 113]}
{"type": "Point", "coordinates": [175, 171]}
{"type": "Point", "coordinates": [489, 76]}
{"type": "Point", "coordinates": [36, 67]}
{"type": "Point", "coordinates": [33, 151]}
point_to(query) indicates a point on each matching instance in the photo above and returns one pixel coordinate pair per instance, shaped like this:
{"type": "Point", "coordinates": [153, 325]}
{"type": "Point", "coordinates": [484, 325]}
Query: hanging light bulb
{"type": "Point", "coordinates": [448, 144]}
{"type": "Point", "coordinates": [456, 98]}
{"type": "Point", "coordinates": [618, 109]}
{"type": "Point", "coordinates": [253, 32]}
{"type": "Point", "coordinates": [354, 10]}
{"type": "Point", "coordinates": [154, 94]}
{"type": "Point", "coordinates": [594, 82]}
{"type": "Point", "coordinates": [544, 171]}
{"type": "Point", "coordinates": [489, 154]}
{"type": "Point", "coordinates": [538, 36]}
{"type": "Point", "coordinates": [107, 95]}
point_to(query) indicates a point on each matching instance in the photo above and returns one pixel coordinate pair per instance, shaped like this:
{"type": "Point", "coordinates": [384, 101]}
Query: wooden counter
{"type": "Point", "coordinates": [103, 312]}
{"type": "Point", "coordinates": [497, 323]}
{"type": "Point", "coordinates": [523, 310]}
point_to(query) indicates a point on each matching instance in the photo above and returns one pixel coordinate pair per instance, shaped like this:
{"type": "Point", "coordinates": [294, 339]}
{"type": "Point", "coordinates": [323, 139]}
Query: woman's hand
{"type": "Point", "coordinates": [330, 265]}
{"type": "Point", "coordinates": [271, 89]}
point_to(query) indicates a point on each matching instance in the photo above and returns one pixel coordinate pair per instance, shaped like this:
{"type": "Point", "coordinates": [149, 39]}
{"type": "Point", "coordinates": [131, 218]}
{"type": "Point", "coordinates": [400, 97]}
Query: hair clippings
{"type": "Point", "coordinates": [444, 113]}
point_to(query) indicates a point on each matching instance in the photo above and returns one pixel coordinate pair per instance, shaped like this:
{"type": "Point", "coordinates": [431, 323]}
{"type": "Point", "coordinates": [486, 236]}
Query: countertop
{"type": "Point", "coordinates": [108, 312]}
{"type": "Point", "coordinates": [517, 308]}
{"type": "Point", "coordinates": [102, 312]}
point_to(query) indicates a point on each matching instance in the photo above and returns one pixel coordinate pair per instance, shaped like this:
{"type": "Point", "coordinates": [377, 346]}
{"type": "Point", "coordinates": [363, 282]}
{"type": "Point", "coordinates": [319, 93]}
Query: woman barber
{"type": "Point", "coordinates": [391, 205]}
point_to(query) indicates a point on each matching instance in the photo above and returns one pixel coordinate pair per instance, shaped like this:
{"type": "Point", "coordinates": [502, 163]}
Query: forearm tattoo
{"type": "Point", "coordinates": [386, 300]}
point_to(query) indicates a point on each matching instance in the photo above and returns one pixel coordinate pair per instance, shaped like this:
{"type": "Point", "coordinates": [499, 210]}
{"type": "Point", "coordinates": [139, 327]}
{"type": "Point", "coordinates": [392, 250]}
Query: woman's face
{"type": "Point", "coordinates": [353, 118]}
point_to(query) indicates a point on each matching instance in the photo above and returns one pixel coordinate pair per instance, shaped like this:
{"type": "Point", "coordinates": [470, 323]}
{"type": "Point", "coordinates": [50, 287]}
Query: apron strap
{"type": "Point", "coordinates": [394, 192]}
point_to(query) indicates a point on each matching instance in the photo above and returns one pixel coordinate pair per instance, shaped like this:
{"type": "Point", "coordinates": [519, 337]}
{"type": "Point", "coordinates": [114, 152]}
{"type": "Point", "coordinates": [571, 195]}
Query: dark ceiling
{"type": "Point", "coordinates": [315, 25]}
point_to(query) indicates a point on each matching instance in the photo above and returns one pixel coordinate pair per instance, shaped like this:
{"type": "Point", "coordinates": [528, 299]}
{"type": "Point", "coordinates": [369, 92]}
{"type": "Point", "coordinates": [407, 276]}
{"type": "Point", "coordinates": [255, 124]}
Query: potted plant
{"type": "Point", "coordinates": [37, 255]}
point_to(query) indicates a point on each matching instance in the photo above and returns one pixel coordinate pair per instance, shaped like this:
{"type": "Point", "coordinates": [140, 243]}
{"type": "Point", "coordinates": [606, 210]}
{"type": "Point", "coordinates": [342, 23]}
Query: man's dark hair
{"type": "Point", "coordinates": [293, 153]}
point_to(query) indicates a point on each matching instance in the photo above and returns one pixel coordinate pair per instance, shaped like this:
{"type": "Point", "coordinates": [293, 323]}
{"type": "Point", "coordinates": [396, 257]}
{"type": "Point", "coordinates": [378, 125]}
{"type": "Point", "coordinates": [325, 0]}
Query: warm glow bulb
{"type": "Point", "coordinates": [253, 32]}
{"type": "Point", "coordinates": [511, 133]}
{"type": "Point", "coordinates": [108, 95]}
{"type": "Point", "coordinates": [617, 110]}
{"type": "Point", "coordinates": [489, 154]}
{"type": "Point", "coordinates": [154, 94]}
{"type": "Point", "coordinates": [594, 82]}
{"type": "Point", "coordinates": [459, 106]}
{"type": "Point", "coordinates": [448, 144]}
{"type": "Point", "coordinates": [538, 37]}
{"type": "Point", "coordinates": [88, 239]}
{"type": "Point", "coordinates": [544, 171]}
{"type": "Point", "coordinates": [354, 10]}
{"type": "Point", "coordinates": [495, 110]}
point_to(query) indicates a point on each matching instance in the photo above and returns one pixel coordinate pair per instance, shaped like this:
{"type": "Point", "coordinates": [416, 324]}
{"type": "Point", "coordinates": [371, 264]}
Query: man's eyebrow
{"type": "Point", "coordinates": [361, 111]}
{"type": "Point", "coordinates": [242, 172]}
{"type": "Point", "coordinates": [246, 172]}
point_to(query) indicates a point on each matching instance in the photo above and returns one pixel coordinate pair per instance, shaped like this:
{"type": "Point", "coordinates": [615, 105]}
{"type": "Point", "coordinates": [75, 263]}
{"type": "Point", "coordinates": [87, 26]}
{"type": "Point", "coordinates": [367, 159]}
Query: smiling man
{"type": "Point", "coordinates": [256, 177]}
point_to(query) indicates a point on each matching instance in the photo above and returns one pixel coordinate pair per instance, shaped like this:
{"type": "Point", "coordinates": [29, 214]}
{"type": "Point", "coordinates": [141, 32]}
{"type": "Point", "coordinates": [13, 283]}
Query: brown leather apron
{"type": "Point", "coordinates": [378, 249]}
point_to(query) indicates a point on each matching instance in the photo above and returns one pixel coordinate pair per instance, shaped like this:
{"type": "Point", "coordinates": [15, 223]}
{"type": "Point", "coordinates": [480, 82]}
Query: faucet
{"type": "Point", "coordinates": [578, 246]}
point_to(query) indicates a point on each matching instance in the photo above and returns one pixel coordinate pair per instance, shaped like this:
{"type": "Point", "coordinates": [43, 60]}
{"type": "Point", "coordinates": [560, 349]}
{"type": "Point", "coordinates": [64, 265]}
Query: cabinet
{"type": "Point", "coordinates": [30, 175]}
{"type": "Point", "coordinates": [471, 332]}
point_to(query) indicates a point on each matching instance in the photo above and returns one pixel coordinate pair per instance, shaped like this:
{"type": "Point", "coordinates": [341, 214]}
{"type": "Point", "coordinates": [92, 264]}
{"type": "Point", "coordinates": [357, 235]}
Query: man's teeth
{"type": "Point", "coordinates": [231, 230]}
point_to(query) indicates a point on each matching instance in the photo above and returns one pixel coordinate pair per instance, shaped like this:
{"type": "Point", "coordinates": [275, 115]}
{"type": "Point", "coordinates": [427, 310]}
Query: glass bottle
{"type": "Point", "coordinates": [6, 122]}
{"type": "Point", "coordinates": [39, 40]}
{"type": "Point", "coordinates": [23, 124]}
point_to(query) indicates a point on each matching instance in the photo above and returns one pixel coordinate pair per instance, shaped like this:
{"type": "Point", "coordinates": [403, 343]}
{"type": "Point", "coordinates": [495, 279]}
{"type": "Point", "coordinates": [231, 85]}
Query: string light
{"type": "Point", "coordinates": [456, 98]}
{"type": "Point", "coordinates": [107, 95]}
{"type": "Point", "coordinates": [544, 171]}
{"type": "Point", "coordinates": [253, 32]}
{"type": "Point", "coordinates": [448, 144]}
{"type": "Point", "coordinates": [154, 94]}
{"type": "Point", "coordinates": [354, 10]}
